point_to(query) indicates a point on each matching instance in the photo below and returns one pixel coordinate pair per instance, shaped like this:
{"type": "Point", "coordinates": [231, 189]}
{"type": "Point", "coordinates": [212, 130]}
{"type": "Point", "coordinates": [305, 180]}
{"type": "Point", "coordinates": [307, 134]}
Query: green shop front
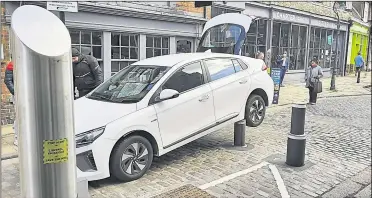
{"type": "Point", "coordinates": [358, 42]}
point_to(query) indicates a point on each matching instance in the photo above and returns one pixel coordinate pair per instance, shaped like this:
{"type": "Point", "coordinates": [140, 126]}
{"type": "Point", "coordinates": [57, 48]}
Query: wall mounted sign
{"type": "Point", "coordinates": [290, 17]}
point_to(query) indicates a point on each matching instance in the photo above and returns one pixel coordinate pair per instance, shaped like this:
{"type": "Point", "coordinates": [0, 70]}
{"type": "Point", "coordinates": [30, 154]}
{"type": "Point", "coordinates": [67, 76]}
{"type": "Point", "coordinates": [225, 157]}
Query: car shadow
{"type": "Point", "coordinates": [194, 149]}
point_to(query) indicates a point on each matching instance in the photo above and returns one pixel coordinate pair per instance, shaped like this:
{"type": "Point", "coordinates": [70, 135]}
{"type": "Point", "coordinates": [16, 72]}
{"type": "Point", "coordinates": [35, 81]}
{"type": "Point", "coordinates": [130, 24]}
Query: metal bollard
{"type": "Point", "coordinates": [44, 95]}
{"type": "Point", "coordinates": [239, 133]}
{"type": "Point", "coordinates": [297, 138]}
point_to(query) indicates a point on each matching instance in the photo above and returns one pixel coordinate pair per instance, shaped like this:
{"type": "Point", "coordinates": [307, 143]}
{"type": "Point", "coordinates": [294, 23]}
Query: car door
{"type": "Point", "coordinates": [230, 84]}
{"type": "Point", "coordinates": [189, 113]}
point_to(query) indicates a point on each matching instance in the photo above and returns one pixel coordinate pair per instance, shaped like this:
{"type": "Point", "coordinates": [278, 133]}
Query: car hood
{"type": "Point", "coordinates": [91, 114]}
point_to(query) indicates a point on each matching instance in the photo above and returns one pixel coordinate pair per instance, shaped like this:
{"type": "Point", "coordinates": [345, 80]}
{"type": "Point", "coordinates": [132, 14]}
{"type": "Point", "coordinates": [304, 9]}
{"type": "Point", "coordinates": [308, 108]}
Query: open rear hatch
{"type": "Point", "coordinates": [225, 33]}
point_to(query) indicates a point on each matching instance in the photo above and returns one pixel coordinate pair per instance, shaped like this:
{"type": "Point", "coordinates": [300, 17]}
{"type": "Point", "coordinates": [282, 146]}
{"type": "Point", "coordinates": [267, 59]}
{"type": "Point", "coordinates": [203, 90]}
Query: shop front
{"type": "Point", "coordinates": [118, 36]}
{"type": "Point", "coordinates": [302, 35]}
{"type": "Point", "coordinates": [358, 42]}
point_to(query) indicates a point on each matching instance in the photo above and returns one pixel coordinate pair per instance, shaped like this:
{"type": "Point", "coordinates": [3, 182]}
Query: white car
{"type": "Point", "coordinates": [159, 104]}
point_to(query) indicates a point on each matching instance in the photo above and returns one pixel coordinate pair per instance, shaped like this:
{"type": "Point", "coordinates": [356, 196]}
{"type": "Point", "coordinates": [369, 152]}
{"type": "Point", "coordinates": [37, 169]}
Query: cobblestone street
{"type": "Point", "coordinates": [338, 147]}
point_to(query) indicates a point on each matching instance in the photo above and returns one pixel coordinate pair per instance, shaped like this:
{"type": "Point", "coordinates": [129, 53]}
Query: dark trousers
{"type": "Point", "coordinates": [283, 70]}
{"type": "Point", "coordinates": [358, 70]}
{"type": "Point", "coordinates": [312, 94]}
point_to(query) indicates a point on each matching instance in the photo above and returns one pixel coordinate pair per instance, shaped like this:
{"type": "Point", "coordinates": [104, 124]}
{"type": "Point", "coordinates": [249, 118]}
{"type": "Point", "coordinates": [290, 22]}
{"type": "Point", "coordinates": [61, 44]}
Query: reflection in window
{"type": "Point", "coordinates": [220, 68]}
{"type": "Point", "coordinates": [187, 78]}
{"type": "Point", "coordinates": [215, 11]}
{"type": "Point", "coordinates": [225, 35]}
{"type": "Point", "coordinates": [183, 46]}
{"type": "Point", "coordinates": [156, 46]}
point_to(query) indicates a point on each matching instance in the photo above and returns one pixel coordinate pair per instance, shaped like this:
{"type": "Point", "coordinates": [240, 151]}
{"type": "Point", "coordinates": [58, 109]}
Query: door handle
{"type": "Point", "coordinates": [204, 98]}
{"type": "Point", "coordinates": [243, 81]}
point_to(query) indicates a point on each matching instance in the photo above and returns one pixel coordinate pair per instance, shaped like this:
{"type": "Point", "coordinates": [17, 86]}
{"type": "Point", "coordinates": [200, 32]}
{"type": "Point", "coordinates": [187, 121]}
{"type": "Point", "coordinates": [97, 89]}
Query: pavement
{"type": "Point", "coordinates": [338, 150]}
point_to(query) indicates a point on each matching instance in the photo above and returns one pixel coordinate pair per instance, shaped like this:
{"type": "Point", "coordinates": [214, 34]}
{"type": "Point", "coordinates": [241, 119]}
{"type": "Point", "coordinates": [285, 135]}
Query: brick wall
{"type": "Point", "coordinates": [7, 109]}
{"type": "Point", "coordinates": [189, 6]}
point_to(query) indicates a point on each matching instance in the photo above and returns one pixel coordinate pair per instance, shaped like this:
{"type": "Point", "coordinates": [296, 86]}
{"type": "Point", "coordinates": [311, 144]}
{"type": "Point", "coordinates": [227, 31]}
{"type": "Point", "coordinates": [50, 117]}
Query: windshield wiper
{"type": "Point", "coordinates": [97, 96]}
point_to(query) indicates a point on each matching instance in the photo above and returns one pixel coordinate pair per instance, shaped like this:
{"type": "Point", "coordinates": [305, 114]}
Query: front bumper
{"type": "Point", "coordinates": [92, 161]}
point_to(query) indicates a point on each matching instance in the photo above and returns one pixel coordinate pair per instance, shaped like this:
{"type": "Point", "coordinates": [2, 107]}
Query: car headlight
{"type": "Point", "coordinates": [88, 137]}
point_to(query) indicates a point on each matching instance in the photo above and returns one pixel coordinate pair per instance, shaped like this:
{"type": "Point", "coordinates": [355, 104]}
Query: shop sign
{"type": "Point", "coordinates": [327, 24]}
{"type": "Point", "coordinates": [62, 6]}
{"type": "Point", "coordinates": [275, 75]}
{"type": "Point", "coordinates": [290, 17]}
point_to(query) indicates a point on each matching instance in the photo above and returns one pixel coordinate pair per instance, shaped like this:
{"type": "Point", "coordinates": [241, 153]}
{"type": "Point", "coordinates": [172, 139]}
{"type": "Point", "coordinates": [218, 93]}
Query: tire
{"type": "Point", "coordinates": [127, 163]}
{"type": "Point", "coordinates": [255, 110]}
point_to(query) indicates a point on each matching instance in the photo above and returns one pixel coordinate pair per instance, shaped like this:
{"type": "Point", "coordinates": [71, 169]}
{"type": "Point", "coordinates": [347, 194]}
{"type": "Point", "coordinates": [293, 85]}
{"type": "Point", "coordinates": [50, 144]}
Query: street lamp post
{"type": "Point", "coordinates": [334, 69]}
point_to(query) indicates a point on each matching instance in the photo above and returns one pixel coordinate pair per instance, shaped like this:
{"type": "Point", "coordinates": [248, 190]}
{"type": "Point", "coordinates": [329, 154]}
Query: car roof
{"type": "Point", "coordinates": [173, 59]}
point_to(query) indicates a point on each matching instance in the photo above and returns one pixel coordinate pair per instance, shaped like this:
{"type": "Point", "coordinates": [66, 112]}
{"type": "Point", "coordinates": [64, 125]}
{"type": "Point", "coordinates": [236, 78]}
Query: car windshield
{"type": "Point", "coordinates": [129, 85]}
{"type": "Point", "coordinates": [224, 35]}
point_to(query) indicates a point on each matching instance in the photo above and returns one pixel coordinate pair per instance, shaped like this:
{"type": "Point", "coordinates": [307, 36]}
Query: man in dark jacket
{"type": "Point", "coordinates": [87, 72]}
{"type": "Point", "coordinates": [9, 82]}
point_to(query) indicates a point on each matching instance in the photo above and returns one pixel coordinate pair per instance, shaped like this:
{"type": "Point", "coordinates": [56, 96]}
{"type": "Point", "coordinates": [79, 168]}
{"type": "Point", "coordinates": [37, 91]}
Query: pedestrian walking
{"type": "Point", "coordinates": [312, 78]}
{"type": "Point", "coordinates": [283, 65]}
{"type": "Point", "coordinates": [359, 63]}
{"type": "Point", "coordinates": [87, 73]}
{"type": "Point", "coordinates": [9, 82]}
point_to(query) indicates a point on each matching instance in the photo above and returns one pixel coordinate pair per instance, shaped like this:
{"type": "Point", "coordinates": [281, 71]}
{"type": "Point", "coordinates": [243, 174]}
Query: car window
{"type": "Point", "coordinates": [187, 78]}
{"type": "Point", "coordinates": [220, 68]}
{"type": "Point", "coordinates": [130, 85]}
{"type": "Point", "coordinates": [242, 64]}
{"type": "Point", "coordinates": [237, 65]}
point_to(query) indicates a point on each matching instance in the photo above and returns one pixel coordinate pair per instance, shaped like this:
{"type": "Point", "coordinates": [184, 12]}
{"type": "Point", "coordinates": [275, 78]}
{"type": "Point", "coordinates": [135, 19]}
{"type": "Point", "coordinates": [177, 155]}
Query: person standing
{"type": "Point", "coordinates": [86, 72]}
{"type": "Point", "coordinates": [284, 63]}
{"type": "Point", "coordinates": [359, 63]}
{"type": "Point", "coordinates": [313, 73]}
{"type": "Point", "coordinates": [9, 82]}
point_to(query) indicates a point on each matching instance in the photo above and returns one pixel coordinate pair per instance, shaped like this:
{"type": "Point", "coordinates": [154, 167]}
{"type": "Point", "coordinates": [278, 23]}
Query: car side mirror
{"type": "Point", "coordinates": [167, 94]}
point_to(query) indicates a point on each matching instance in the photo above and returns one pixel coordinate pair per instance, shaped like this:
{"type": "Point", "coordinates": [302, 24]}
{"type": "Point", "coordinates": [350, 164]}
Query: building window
{"type": "Point", "coordinates": [183, 46]}
{"type": "Point", "coordinates": [217, 10]}
{"type": "Point", "coordinates": [124, 50]}
{"type": "Point", "coordinates": [321, 41]}
{"type": "Point", "coordinates": [256, 39]}
{"type": "Point", "coordinates": [290, 38]}
{"type": "Point", "coordinates": [89, 43]}
{"type": "Point", "coordinates": [156, 46]}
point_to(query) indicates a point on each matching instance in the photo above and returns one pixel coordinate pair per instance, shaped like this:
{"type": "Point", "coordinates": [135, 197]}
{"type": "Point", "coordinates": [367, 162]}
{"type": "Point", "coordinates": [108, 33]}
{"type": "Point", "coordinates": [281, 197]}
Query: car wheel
{"type": "Point", "coordinates": [255, 111]}
{"type": "Point", "coordinates": [131, 158]}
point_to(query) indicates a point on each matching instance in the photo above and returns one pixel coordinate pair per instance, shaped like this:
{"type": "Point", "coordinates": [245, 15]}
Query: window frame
{"type": "Point", "coordinates": [120, 46]}
{"type": "Point", "coordinates": [161, 48]}
{"type": "Point", "coordinates": [91, 45]}
{"type": "Point", "coordinates": [160, 88]}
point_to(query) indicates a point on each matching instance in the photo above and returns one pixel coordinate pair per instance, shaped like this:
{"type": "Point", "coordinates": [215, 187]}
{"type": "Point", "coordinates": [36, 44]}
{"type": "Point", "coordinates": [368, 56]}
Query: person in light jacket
{"type": "Point", "coordinates": [313, 73]}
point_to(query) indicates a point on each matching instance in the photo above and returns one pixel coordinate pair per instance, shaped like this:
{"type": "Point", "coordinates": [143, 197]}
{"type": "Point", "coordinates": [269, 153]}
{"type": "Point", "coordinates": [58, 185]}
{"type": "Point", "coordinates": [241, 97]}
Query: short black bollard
{"type": "Point", "coordinates": [297, 138]}
{"type": "Point", "coordinates": [239, 133]}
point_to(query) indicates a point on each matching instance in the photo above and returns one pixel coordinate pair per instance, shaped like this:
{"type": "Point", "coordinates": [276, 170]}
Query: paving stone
{"type": "Point", "coordinates": [365, 193]}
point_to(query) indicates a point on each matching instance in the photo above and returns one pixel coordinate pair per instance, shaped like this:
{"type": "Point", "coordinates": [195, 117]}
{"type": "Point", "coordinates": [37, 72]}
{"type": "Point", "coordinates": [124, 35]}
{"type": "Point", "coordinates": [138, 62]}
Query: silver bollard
{"type": "Point", "coordinates": [44, 94]}
{"type": "Point", "coordinates": [297, 138]}
{"type": "Point", "coordinates": [239, 133]}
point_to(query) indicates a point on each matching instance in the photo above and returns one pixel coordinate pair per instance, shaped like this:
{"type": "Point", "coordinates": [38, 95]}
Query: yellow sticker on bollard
{"type": "Point", "coordinates": [55, 151]}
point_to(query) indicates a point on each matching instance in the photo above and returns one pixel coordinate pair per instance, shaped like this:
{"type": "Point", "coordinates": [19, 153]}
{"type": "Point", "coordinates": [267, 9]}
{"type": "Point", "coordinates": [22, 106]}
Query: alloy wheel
{"type": "Point", "coordinates": [134, 158]}
{"type": "Point", "coordinates": [256, 111]}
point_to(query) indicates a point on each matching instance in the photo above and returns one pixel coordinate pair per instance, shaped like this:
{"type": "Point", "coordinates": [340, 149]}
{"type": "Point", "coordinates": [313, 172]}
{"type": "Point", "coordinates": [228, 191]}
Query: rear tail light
{"type": "Point", "coordinates": [264, 67]}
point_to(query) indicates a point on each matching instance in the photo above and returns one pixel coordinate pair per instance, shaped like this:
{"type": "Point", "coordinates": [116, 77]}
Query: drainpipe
{"type": "Point", "coordinates": [347, 46]}
{"type": "Point", "coordinates": [368, 65]}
